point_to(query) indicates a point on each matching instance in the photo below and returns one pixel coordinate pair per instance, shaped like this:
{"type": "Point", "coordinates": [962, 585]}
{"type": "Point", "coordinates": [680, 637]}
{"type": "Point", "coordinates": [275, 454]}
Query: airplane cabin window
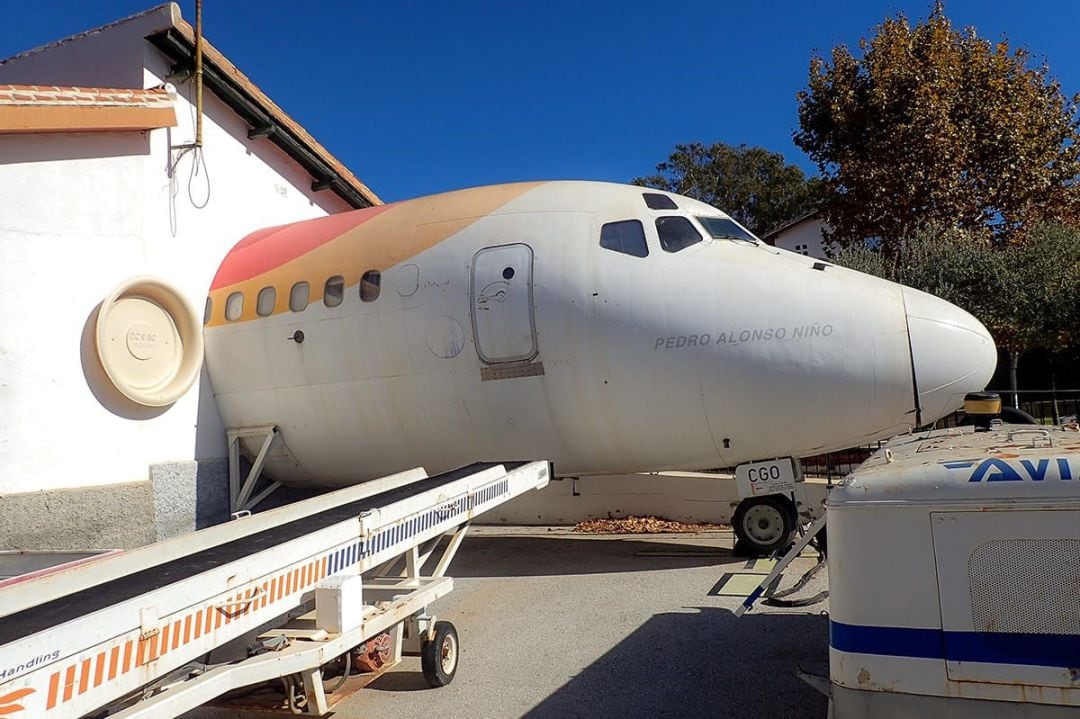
{"type": "Point", "coordinates": [369, 286]}
{"type": "Point", "coordinates": [234, 306]}
{"type": "Point", "coordinates": [656, 201]}
{"type": "Point", "coordinates": [676, 233]}
{"type": "Point", "coordinates": [264, 303]}
{"type": "Point", "coordinates": [298, 296]}
{"type": "Point", "coordinates": [721, 228]}
{"type": "Point", "coordinates": [334, 292]}
{"type": "Point", "coordinates": [626, 236]}
{"type": "Point", "coordinates": [207, 310]}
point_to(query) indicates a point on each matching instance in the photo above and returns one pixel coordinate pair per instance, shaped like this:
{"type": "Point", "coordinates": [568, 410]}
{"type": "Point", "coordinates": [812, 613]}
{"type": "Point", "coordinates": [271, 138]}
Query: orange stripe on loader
{"type": "Point", "coordinates": [54, 686]}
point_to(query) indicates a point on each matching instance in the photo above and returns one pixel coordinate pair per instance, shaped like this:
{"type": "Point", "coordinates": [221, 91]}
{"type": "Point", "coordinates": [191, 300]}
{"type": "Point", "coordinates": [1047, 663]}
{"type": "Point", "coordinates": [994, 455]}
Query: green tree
{"type": "Point", "coordinates": [1026, 294]}
{"type": "Point", "coordinates": [933, 125]}
{"type": "Point", "coordinates": [1040, 294]}
{"type": "Point", "coordinates": [752, 184]}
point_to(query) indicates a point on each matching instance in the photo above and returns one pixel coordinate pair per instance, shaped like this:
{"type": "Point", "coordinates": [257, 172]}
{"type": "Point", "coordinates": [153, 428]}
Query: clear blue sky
{"type": "Point", "coordinates": [419, 97]}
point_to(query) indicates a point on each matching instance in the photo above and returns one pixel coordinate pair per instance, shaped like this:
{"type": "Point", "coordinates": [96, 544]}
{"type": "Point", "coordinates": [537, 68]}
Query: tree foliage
{"type": "Point", "coordinates": [1027, 294]}
{"type": "Point", "coordinates": [930, 125]}
{"type": "Point", "coordinates": [753, 185]}
{"type": "Point", "coordinates": [1040, 303]}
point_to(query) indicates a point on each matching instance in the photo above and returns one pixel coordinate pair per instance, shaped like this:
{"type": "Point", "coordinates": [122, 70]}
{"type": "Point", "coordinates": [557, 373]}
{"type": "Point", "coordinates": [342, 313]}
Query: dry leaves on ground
{"type": "Point", "coordinates": [641, 525]}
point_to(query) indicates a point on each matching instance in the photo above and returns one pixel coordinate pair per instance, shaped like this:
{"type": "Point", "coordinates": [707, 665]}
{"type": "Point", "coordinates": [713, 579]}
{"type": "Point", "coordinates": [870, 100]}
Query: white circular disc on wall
{"type": "Point", "coordinates": [149, 341]}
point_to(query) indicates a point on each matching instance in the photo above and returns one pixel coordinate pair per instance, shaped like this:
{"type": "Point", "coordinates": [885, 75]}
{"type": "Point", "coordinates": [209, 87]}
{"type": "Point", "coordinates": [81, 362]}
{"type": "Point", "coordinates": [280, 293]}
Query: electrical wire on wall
{"type": "Point", "coordinates": [198, 168]}
{"type": "Point", "coordinates": [198, 164]}
{"type": "Point", "coordinates": [194, 149]}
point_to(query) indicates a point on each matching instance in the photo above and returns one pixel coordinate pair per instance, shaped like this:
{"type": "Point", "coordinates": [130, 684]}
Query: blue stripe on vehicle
{"type": "Point", "coordinates": [896, 641]}
{"type": "Point", "coordinates": [1045, 650]}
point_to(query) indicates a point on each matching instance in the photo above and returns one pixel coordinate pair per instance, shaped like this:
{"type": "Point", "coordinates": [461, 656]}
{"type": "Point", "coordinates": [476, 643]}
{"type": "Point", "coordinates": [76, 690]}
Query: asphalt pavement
{"type": "Point", "coordinates": [558, 624]}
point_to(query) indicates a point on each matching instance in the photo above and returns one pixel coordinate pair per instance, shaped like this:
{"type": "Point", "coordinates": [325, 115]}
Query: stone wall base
{"type": "Point", "coordinates": [179, 497]}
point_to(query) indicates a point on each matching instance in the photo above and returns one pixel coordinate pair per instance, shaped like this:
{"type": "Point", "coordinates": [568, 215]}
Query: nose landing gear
{"type": "Point", "coordinates": [764, 525]}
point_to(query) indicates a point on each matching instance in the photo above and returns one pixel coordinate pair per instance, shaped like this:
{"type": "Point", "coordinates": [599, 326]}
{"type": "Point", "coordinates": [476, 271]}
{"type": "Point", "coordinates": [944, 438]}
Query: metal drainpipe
{"type": "Point", "coordinates": [198, 73]}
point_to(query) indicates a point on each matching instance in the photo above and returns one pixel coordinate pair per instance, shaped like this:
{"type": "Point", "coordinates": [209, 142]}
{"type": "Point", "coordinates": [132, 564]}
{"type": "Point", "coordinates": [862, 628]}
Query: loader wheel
{"type": "Point", "coordinates": [762, 526]}
{"type": "Point", "coordinates": [439, 656]}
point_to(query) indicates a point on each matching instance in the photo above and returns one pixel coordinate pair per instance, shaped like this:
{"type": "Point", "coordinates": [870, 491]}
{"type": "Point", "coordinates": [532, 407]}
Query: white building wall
{"type": "Point", "coordinates": [83, 212]}
{"type": "Point", "coordinates": [804, 237]}
{"type": "Point", "coordinates": [111, 57]}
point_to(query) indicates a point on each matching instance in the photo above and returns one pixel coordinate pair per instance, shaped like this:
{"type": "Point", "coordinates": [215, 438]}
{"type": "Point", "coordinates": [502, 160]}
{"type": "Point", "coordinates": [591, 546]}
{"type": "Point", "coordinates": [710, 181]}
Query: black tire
{"type": "Point", "coordinates": [439, 656]}
{"type": "Point", "coordinates": [1009, 415]}
{"type": "Point", "coordinates": [1012, 415]}
{"type": "Point", "coordinates": [763, 525]}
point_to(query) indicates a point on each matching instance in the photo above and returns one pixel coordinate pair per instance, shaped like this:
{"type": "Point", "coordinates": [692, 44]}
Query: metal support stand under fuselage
{"type": "Point", "coordinates": [240, 493]}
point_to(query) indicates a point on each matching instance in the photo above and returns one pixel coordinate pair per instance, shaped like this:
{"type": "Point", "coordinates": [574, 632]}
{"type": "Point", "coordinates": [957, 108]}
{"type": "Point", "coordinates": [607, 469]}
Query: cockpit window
{"type": "Point", "coordinates": [721, 228]}
{"type": "Point", "coordinates": [626, 236]}
{"type": "Point", "coordinates": [656, 201]}
{"type": "Point", "coordinates": [676, 233]}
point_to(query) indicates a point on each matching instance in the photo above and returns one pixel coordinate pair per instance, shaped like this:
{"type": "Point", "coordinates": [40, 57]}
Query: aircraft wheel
{"type": "Point", "coordinates": [763, 525]}
{"type": "Point", "coordinates": [439, 656]}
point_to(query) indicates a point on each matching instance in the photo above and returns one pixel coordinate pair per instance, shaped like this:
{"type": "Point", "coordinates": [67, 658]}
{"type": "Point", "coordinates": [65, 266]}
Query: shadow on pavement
{"type": "Point", "coordinates": [401, 681]}
{"type": "Point", "coordinates": [672, 666]}
{"type": "Point", "coordinates": [537, 556]}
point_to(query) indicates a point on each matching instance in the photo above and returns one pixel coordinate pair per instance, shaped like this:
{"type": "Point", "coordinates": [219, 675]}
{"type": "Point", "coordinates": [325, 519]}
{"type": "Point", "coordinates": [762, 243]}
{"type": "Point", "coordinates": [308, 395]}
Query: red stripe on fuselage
{"type": "Point", "coordinates": [263, 250]}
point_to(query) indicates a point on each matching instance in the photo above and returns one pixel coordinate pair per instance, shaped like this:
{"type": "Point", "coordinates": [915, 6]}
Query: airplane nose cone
{"type": "Point", "coordinates": [952, 353]}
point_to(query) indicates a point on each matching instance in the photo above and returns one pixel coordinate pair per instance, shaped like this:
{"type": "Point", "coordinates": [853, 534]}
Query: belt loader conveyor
{"type": "Point", "coordinates": [130, 630]}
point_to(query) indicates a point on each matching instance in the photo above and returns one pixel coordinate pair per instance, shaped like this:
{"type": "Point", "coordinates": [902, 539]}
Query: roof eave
{"type": "Point", "coordinates": [770, 236]}
{"type": "Point", "coordinates": [265, 118]}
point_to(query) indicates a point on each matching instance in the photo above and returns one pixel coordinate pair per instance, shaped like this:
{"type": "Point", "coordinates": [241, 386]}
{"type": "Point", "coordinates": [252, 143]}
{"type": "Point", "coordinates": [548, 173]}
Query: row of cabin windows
{"type": "Point", "coordinates": [266, 300]}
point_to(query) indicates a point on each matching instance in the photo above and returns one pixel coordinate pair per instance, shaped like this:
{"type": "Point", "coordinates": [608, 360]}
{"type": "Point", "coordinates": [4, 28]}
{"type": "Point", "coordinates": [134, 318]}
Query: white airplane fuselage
{"type": "Point", "coordinates": [502, 329]}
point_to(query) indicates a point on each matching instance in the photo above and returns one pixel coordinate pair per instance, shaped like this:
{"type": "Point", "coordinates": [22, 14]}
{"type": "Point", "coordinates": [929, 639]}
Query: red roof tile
{"type": "Point", "coordinates": [51, 108]}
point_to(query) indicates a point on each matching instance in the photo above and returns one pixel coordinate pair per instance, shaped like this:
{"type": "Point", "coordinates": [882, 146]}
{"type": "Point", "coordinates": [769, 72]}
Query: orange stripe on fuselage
{"type": "Point", "coordinates": [348, 244]}
{"type": "Point", "coordinates": [263, 250]}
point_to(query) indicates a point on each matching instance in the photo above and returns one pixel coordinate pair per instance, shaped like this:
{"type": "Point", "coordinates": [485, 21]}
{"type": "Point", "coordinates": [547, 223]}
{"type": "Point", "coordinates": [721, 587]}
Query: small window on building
{"type": "Point", "coordinates": [207, 311]}
{"type": "Point", "coordinates": [656, 201]}
{"type": "Point", "coordinates": [264, 304]}
{"type": "Point", "coordinates": [626, 236]}
{"type": "Point", "coordinates": [234, 306]}
{"type": "Point", "coordinates": [298, 296]}
{"type": "Point", "coordinates": [334, 292]}
{"type": "Point", "coordinates": [369, 286]}
{"type": "Point", "coordinates": [803, 250]}
{"type": "Point", "coordinates": [676, 233]}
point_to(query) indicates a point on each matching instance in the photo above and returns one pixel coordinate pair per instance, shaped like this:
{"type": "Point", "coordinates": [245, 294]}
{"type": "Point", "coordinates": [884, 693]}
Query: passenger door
{"type": "Point", "coordinates": [504, 324]}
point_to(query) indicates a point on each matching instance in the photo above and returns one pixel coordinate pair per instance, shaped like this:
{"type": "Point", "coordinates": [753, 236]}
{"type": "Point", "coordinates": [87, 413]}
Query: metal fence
{"type": "Point", "coordinates": [836, 465]}
{"type": "Point", "coordinates": [1047, 406]}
